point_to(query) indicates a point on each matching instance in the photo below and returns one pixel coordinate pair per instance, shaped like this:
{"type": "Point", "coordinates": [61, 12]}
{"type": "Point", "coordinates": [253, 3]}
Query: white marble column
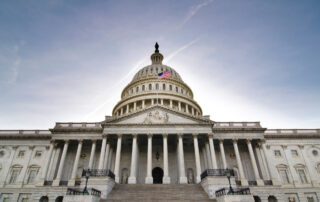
{"type": "Point", "coordinates": [244, 181]}
{"type": "Point", "coordinates": [310, 168]}
{"type": "Point", "coordinates": [149, 178]}
{"type": "Point", "coordinates": [205, 161]}
{"type": "Point", "coordinates": [46, 165]}
{"type": "Point", "coordinates": [152, 102]}
{"type": "Point", "coordinates": [208, 153]}
{"type": "Point", "coordinates": [135, 106]}
{"type": "Point", "coordinates": [63, 158]}
{"type": "Point", "coordinates": [121, 111]}
{"type": "Point", "coordinates": [132, 178]}
{"type": "Point", "coordinates": [179, 106]}
{"type": "Point", "coordinates": [197, 157]}
{"type": "Point", "coordinates": [223, 155]}
{"type": "Point", "coordinates": [192, 111]}
{"type": "Point", "coordinates": [254, 164]}
{"type": "Point", "coordinates": [171, 106]}
{"type": "Point", "coordinates": [143, 104]}
{"type": "Point", "coordinates": [166, 177]}
{"type": "Point", "coordinates": [261, 162]}
{"type": "Point", "coordinates": [293, 172]}
{"type": "Point", "coordinates": [127, 110]}
{"type": "Point", "coordinates": [106, 156]}
{"type": "Point", "coordinates": [270, 166]}
{"type": "Point", "coordinates": [161, 101]}
{"type": "Point", "coordinates": [102, 152]}
{"type": "Point", "coordinates": [75, 165]}
{"type": "Point", "coordinates": [93, 150]}
{"type": "Point", "coordinates": [212, 152]}
{"type": "Point", "coordinates": [118, 158]}
{"type": "Point", "coordinates": [182, 179]}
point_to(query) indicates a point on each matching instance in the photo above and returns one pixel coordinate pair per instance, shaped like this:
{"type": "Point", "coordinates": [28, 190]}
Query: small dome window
{"type": "Point", "coordinates": [164, 86]}
{"type": "Point", "coordinates": [137, 89]}
{"type": "Point", "coordinates": [143, 88]}
{"type": "Point", "coordinates": [170, 87]}
{"type": "Point", "coordinates": [181, 91]}
{"type": "Point", "coordinates": [315, 152]}
{"type": "Point", "coordinates": [150, 86]}
{"type": "Point", "coordinates": [177, 89]}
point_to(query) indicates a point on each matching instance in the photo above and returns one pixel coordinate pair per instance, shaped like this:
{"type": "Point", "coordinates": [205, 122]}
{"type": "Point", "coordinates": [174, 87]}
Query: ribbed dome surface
{"type": "Point", "coordinates": [152, 71]}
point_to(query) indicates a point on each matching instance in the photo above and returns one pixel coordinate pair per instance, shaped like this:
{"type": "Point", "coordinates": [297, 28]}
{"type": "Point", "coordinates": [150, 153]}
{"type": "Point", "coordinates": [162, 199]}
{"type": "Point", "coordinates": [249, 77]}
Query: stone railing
{"type": "Point", "coordinates": [292, 132]}
{"type": "Point", "coordinates": [237, 125]}
{"type": "Point", "coordinates": [89, 191]}
{"type": "Point", "coordinates": [99, 173]}
{"type": "Point", "coordinates": [77, 125]}
{"type": "Point", "coordinates": [38, 133]}
{"type": "Point", "coordinates": [215, 172]}
{"type": "Point", "coordinates": [233, 191]}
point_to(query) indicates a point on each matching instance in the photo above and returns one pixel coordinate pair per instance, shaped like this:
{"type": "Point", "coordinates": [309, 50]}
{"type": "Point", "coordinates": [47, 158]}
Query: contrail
{"type": "Point", "coordinates": [180, 49]}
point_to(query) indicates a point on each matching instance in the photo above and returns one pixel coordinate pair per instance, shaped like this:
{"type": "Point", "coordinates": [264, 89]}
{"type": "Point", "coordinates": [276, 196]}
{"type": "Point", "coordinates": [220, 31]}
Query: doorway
{"type": "Point", "coordinates": [157, 174]}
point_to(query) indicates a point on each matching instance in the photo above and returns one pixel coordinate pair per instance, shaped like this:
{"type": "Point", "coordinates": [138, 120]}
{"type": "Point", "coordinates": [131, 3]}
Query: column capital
{"type": "Point", "coordinates": [149, 135]}
{"type": "Point", "coordinates": [134, 135]}
{"type": "Point", "coordinates": [284, 146]}
{"type": "Point", "coordinates": [119, 135]}
{"type": "Point", "coordinates": [104, 135]}
{"type": "Point", "coordinates": [180, 134]}
{"type": "Point", "coordinates": [221, 140]}
{"type": "Point", "coordinates": [52, 141]}
{"type": "Point", "coordinates": [195, 134]}
{"type": "Point", "coordinates": [94, 141]}
{"type": "Point", "coordinates": [31, 147]}
{"type": "Point", "coordinates": [301, 146]}
{"type": "Point", "coordinates": [234, 140]}
{"type": "Point", "coordinates": [80, 141]}
{"type": "Point", "coordinates": [66, 141]}
{"type": "Point", "coordinates": [248, 140]}
{"type": "Point", "coordinates": [165, 135]}
{"type": "Point", "coordinates": [210, 135]}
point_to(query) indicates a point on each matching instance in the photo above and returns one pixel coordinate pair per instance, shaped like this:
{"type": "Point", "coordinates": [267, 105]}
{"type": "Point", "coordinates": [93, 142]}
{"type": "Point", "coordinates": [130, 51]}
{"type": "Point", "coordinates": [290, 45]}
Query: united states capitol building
{"type": "Point", "coordinates": [159, 146]}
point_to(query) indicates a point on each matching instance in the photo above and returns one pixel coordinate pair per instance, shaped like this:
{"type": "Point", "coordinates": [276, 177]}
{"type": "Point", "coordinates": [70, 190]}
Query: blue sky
{"type": "Point", "coordinates": [245, 60]}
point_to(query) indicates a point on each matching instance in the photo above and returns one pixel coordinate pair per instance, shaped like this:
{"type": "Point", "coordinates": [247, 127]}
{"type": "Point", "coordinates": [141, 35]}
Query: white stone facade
{"type": "Point", "coordinates": [159, 135]}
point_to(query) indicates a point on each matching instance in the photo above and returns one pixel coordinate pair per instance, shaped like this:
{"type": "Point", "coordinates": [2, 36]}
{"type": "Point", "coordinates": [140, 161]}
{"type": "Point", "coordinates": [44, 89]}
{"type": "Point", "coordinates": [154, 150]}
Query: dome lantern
{"type": "Point", "coordinates": [156, 57]}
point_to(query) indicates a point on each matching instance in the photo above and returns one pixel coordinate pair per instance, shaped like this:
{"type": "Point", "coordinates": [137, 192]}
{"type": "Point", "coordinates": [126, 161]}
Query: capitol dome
{"type": "Point", "coordinates": [146, 90]}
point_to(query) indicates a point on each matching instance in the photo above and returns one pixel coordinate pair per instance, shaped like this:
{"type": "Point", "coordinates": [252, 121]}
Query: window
{"type": "Point", "coordinates": [150, 86]}
{"type": "Point", "coordinates": [181, 91]}
{"type": "Point", "coordinates": [315, 152]}
{"type": "Point", "coordinates": [33, 171]}
{"type": "Point", "coordinates": [137, 89]}
{"type": "Point", "coordinates": [277, 153]}
{"type": "Point", "coordinates": [24, 197]}
{"type": "Point", "coordinates": [302, 176]}
{"type": "Point", "coordinates": [291, 199]}
{"type": "Point", "coordinates": [131, 91]}
{"type": "Point", "coordinates": [176, 89]}
{"type": "Point", "coordinates": [310, 199]}
{"type": "Point", "coordinates": [170, 87]}
{"type": "Point", "coordinates": [163, 86]}
{"type": "Point", "coordinates": [284, 176]}
{"type": "Point", "coordinates": [38, 154]}
{"type": "Point", "coordinates": [157, 69]}
{"type": "Point", "coordinates": [21, 154]}
{"type": "Point", "coordinates": [151, 69]}
{"type": "Point", "coordinates": [2, 153]}
{"type": "Point", "coordinates": [157, 86]}
{"type": "Point", "coordinates": [318, 167]}
{"type": "Point", "coordinates": [15, 171]}
{"type": "Point", "coordinates": [294, 153]}
{"type": "Point", "coordinates": [143, 88]}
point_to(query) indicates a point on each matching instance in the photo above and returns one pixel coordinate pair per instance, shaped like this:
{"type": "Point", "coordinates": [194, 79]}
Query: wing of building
{"type": "Point", "coordinates": [157, 134]}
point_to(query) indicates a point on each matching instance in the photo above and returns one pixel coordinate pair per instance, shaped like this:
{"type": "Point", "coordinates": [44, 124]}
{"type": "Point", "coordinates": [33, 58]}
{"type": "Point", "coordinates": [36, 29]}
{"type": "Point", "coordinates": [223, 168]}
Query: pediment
{"type": "Point", "coordinates": [157, 115]}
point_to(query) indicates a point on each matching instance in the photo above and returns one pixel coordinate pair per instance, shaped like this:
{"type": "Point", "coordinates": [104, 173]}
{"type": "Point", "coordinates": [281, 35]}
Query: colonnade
{"type": "Point", "coordinates": [106, 152]}
{"type": "Point", "coordinates": [141, 104]}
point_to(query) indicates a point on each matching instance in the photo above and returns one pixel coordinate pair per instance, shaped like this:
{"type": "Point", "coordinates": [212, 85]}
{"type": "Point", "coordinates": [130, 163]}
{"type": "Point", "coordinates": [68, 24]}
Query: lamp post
{"type": "Point", "coordinates": [85, 190]}
{"type": "Point", "coordinates": [228, 174]}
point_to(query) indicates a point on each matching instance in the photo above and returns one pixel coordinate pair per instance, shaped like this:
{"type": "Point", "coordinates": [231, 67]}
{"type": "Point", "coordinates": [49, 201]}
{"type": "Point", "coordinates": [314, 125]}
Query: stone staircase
{"type": "Point", "coordinates": [157, 193]}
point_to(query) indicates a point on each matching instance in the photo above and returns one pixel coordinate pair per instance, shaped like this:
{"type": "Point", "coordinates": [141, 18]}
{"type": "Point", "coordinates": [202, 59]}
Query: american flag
{"type": "Point", "coordinates": [165, 74]}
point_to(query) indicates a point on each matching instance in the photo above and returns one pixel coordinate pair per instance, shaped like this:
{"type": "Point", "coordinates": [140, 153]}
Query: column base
{"type": "Point", "coordinates": [198, 179]}
{"type": "Point", "coordinates": [244, 182]}
{"type": "Point", "coordinates": [276, 182]}
{"type": "Point", "coordinates": [260, 182]}
{"type": "Point", "coordinates": [132, 180]}
{"type": "Point", "coordinates": [71, 182]}
{"type": "Point", "coordinates": [183, 180]}
{"type": "Point", "coordinates": [56, 183]}
{"type": "Point", "coordinates": [166, 180]}
{"type": "Point", "coordinates": [149, 180]}
{"type": "Point", "coordinates": [117, 179]}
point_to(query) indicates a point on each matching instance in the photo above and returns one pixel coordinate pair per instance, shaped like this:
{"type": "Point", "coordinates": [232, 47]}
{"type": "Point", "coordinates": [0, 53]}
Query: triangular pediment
{"type": "Point", "coordinates": [158, 115]}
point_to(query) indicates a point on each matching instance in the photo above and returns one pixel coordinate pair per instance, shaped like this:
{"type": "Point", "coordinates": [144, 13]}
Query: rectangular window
{"type": "Point", "coordinates": [302, 175]}
{"type": "Point", "coordinates": [310, 199]}
{"type": "Point", "coordinates": [21, 154]}
{"type": "Point", "coordinates": [38, 154]}
{"type": "Point", "coordinates": [277, 153]}
{"type": "Point", "coordinates": [14, 176]}
{"type": "Point", "coordinates": [294, 153]}
{"type": "Point", "coordinates": [32, 176]}
{"type": "Point", "coordinates": [284, 176]}
{"type": "Point", "coordinates": [170, 87]}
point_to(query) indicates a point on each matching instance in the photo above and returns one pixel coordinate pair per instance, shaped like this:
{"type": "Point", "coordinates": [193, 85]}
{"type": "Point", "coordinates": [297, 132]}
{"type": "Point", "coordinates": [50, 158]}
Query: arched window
{"type": "Point", "coordinates": [177, 89]}
{"type": "Point", "coordinates": [157, 86]}
{"type": "Point", "coordinates": [170, 87]}
{"type": "Point", "coordinates": [137, 89]}
{"type": "Point", "coordinates": [132, 91]}
{"type": "Point", "coordinates": [181, 91]}
{"type": "Point", "coordinates": [59, 199]}
{"type": "Point", "coordinates": [272, 199]}
{"type": "Point", "coordinates": [44, 199]}
{"type": "Point", "coordinates": [164, 86]}
{"type": "Point", "coordinates": [150, 86]}
{"type": "Point", "coordinates": [143, 87]}
{"type": "Point", "coordinates": [300, 169]}
{"type": "Point", "coordinates": [283, 172]}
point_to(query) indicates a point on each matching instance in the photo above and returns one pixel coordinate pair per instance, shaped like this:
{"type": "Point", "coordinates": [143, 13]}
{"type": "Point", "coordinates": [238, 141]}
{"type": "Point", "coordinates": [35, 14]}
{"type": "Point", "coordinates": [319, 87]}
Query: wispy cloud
{"type": "Point", "coordinates": [194, 10]}
{"type": "Point", "coordinates": [180, 50]}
